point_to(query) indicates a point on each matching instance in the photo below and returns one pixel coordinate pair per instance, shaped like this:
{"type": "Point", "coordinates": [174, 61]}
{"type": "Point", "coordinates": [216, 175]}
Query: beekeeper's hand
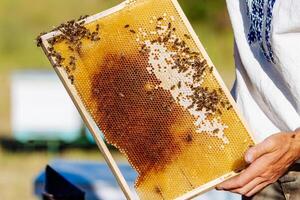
{"type": "Point", "coordinates": [268, 161]}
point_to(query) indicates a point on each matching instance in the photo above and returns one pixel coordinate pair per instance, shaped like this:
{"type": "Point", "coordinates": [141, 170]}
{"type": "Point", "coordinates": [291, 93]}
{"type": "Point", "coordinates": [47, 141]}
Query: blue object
{"type": "Point", "coordinates": [95, 179]}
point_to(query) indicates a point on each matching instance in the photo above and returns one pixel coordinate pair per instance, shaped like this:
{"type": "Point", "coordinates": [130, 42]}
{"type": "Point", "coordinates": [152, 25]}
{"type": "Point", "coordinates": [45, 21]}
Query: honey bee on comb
{"type": "Point", "coordinates": [139, 73]}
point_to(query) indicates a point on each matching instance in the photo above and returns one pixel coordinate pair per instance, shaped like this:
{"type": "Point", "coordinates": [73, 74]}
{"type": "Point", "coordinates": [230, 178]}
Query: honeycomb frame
{"type": "Point", "coordinates": [90, 122]}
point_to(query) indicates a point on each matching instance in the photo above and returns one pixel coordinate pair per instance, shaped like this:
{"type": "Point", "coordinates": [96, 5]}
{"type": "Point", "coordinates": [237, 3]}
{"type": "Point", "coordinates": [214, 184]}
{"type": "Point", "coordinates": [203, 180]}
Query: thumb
{"type": "Point", "coordinates": [257, 151]}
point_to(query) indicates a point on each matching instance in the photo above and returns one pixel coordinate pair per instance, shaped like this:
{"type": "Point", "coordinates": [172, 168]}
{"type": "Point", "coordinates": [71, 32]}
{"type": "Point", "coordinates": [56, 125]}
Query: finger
{"type": "Point", "coordinates": [235, 182]}
{"type": "Point", "coordinates": [229, 184]}
{"type": "Point", "coordinates": [255, 152]}
{"type": "Point", "coordinates": [248, 187]}
{"type": "Point", "coordinates": [257, 189]}
{"type": "Point", "coordinates": [249, 174]}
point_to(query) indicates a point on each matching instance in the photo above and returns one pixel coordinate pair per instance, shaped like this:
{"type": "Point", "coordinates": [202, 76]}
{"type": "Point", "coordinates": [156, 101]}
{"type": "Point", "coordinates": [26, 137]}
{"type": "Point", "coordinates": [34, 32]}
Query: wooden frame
{"type": "Point", "coordinates": [95, 130]}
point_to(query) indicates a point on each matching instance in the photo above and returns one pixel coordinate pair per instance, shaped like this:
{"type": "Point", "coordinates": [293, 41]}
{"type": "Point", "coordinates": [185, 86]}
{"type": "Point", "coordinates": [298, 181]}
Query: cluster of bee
{"type": "Point", "coordinates": [184, 60]}
{"type": "Point", "coordinates": [72, 33]}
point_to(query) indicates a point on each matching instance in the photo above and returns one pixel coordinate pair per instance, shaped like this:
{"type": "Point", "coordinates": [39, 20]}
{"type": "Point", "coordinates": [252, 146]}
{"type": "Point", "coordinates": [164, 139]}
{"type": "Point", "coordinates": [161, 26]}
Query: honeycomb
{"type": "Point", "coordinates": [152, 91]}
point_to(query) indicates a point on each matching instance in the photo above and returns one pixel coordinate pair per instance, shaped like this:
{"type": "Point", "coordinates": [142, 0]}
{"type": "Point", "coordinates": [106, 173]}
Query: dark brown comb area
{"type": "Point", "coordinates": [135, 115]}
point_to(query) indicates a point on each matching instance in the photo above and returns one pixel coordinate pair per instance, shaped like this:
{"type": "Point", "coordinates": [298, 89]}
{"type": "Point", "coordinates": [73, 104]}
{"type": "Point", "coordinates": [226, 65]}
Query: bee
{"type": "Point", "coordinates": [179, 84]}
{"type": "Point", "coordinates": [229, 107]}
{"type": "Point", "coordinates": [187, 36]}
{"type": "Point", "coordinates": [222, 104]}
{"type": "Point", "coordinates": [189, 138]}
{"type": "Point", "coordinates": [70, 48]}
{"type": "Point", "coordinates": [216, 130]}
{"type": "Point", "coordinates": [97, 27]}
{"type": "Point", "coordinates": [158, 190]}
{"type": "Point", "coordinates": [71, 78]}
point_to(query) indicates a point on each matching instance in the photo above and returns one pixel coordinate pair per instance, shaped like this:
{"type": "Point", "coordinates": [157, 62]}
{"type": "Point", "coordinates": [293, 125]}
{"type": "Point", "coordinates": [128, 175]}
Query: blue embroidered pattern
{"type": "Point", "coordinates": [260, 16]}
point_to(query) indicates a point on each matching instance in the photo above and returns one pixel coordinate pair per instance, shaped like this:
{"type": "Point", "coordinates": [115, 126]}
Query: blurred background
{"type": "Point", "coordinates": [38, 122]}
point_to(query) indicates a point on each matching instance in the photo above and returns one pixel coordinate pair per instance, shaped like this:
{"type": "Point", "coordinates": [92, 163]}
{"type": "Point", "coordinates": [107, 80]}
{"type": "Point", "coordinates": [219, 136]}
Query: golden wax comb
{"type": "Point", "coordinates": [139, 73]}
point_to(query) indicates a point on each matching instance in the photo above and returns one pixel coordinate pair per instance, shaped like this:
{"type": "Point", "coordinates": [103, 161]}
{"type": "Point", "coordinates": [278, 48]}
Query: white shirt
{"type": "Point", "coordinates": [267, 55]}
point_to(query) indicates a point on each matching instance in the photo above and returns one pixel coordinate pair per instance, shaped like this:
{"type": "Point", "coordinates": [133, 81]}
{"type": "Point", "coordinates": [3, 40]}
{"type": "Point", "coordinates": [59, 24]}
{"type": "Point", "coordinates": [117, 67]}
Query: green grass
{"type": "Point", "coordinates": [21, 21]}
{"type": "Point", "coordinates": [17, 174]}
